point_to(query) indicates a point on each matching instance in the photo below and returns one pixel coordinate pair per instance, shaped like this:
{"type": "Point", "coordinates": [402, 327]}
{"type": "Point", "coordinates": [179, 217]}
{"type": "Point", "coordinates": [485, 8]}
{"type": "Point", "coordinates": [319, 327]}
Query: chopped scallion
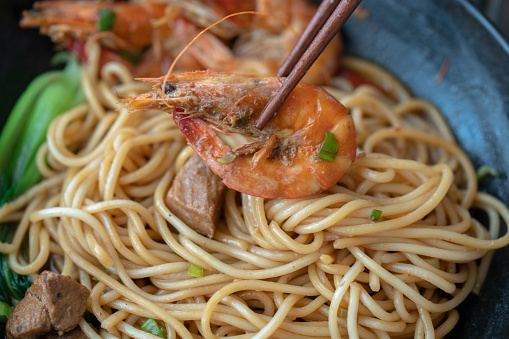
{"type": "Point", "coordinates": [486, 170]}
{"type": "Point", "coordinates": [105, 271]}
{"type": "Point", "coordinates": [151, 326]}
{"type": "Point", "coordinates": [329, 147]}
{"type": "Point", "coordinates": [375, 215]}
{"type": "Point", "coordinates": [106, 19]}
{"type": "Point", "coordinates": [326, 156]}
{"type": "Point", "coordinates": [330, 144]}
{"type": "Point", "coordinates": [195, 271]}
{"type": "Point", "coordinates": [227, 158]}
{"type": "Point", "coordinates": [242, 121]}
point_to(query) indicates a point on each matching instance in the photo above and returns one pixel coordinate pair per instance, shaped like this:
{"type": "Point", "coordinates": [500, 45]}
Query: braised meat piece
{"type": "Point", "coordinates": [29, 319]}
{"type": "Point", "coordinates": [64, 299]}
{"type": "Point", "coordinates": [53, 302]}
{"type": "Point", "coordinates": [196, 196]}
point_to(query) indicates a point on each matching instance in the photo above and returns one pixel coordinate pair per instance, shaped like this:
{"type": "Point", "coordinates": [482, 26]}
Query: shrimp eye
{"type": "Point", "coordinates": [168, 88]}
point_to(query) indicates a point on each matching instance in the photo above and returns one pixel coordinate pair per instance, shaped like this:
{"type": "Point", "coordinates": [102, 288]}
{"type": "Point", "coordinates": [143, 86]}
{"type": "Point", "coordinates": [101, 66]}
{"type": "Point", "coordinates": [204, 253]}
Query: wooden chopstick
{"type": "Point", "coordinates": [323, 12]}
{"type": "Point", "coordinates": [309, 56]}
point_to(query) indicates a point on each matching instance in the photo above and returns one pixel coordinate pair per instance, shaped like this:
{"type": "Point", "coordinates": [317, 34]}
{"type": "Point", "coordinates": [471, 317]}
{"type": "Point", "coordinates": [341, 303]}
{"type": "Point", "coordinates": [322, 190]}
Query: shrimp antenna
{"type": "Point", "coordinates": [201, 33]}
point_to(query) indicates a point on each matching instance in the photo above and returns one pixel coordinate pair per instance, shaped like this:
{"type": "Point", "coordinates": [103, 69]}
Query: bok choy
{"type": "Point", "coordinates": [47, 96]}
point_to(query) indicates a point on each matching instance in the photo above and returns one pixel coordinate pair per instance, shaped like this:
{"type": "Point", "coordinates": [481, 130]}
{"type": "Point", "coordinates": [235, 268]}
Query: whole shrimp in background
{"type": "Point", "coordinates": [282, 159]}
{"type": "Point", "coordinates": [151, 34]}
{"type": "Point", "coordinates": [140, 35]}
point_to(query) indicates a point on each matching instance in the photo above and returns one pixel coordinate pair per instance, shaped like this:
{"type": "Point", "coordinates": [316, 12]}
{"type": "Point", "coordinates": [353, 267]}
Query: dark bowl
{"type": "Point", "coordinates": [412, 39]}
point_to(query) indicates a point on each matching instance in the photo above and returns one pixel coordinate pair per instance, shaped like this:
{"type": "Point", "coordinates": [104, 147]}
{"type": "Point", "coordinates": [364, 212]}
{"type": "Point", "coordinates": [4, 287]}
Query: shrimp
{"type": "Point", "coordinates": [142, 36]}
{"type": "Point", "coordinates": [282, 159]}
{"type": "Point", "coordinates": [152, 33]}
{"type": "Point", "coordinates": [131, 27]}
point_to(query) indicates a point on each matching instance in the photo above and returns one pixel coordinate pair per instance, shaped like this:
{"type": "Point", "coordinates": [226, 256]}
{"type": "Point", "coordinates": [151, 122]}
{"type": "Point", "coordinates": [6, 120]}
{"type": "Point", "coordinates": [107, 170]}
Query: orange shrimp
{"type": "Point", "coordinates": [142, 35]}
{"type": "Point", "coordinates": [282, 159]}
{"type": "Point", "coordinates": [131, 28]}
{"type": "Point", "coordinates": [152, 33]}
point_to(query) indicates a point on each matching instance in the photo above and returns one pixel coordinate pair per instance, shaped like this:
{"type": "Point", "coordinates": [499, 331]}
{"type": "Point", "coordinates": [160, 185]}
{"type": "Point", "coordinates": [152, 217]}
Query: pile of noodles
{"type": "Point", "coordinates": [315, 267]}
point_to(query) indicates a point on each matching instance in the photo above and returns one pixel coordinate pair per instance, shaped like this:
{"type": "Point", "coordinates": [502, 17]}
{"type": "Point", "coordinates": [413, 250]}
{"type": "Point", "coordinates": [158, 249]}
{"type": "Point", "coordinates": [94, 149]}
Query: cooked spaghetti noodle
{"type": "Point", "coordinates": [305, 268]}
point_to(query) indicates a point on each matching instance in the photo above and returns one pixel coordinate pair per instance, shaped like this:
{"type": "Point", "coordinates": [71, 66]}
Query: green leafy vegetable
{"type": "Point", "coordinates": [375, 215]}
{"type": "Point", "coordinates": [195, 271]}
{"type": "Point", "coordinates": [12, 285]}
{"type": "Point", "coordinates": [329, 147]}
{"type": "Point", "coordinates": [5, 312]}
{"type": "Point", "coordinates": [486, 170]}
{"type": "Point", "coordinates": [151, 326]}
{"type": "Point", "coordinates": [15, 125]}
{"type": "Point", "coordinates": [46, 97]}
{"type": "Point", "coordinates": [91, 319]}
{"type": "Point", "coordinates": [106, 19]}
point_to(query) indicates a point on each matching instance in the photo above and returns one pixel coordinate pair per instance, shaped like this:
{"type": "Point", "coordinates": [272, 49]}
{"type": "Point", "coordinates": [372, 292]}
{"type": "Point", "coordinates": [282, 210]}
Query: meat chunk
{"type": "Point", "coordinates": [196, 196]}
{"type": "Point", "coordinates": [54, 301]}
{"type": "Point", "coordinates": [29, 319]}
{"type": "Point", "coordinates": [63, 298]}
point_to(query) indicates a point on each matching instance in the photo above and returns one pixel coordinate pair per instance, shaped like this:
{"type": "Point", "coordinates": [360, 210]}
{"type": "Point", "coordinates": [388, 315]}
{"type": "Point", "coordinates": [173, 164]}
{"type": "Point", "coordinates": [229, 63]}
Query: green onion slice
{"type": "Point", "coordinates": [242, 121]}
{"type": "Point", "coordinates": [106, 19]}
{"type": "Point", "coordinates": [195, 271]}
{"type": "Point", "coordinates": [375, 215]}
{"type": "Point", "coordinates": [227, 158]}
{"type": "Point", "coordinates": [329, 147]}
{"type": "Point", "coordinates": [151, 326]}
{"type": "Point", "coordinates": [105, 271]}
{"type": "Point", "coordinates": [486, 170]}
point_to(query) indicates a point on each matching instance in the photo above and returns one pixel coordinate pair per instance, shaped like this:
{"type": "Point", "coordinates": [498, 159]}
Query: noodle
{"type": "Point", "coordinates": [304, 268]}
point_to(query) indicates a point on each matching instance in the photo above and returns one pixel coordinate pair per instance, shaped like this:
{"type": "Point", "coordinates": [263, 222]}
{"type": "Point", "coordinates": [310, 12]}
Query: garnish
{"type": "Point", "coordinates": [195, 271]}
{"type": "Point", "coordinates": [329, 147]}
{"type": "Point", "coordinates": [105, 271]}
{"type": "Point", "coordinates": [375, 215]}
{"type": "Point", "coordinates": [106, 19]}
{"type": "Point", "coordinates": [151, 326]}
{"type": "Point", "coordinates": [242, 121]}
{"type": "Point", "coordinates": [227, 158]}
{"type": "Point", "coordinates": [486, 170]}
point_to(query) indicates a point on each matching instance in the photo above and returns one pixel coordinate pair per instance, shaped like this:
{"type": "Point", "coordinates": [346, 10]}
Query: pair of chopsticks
{"type": "Point", "coordinates": [329, 18]}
